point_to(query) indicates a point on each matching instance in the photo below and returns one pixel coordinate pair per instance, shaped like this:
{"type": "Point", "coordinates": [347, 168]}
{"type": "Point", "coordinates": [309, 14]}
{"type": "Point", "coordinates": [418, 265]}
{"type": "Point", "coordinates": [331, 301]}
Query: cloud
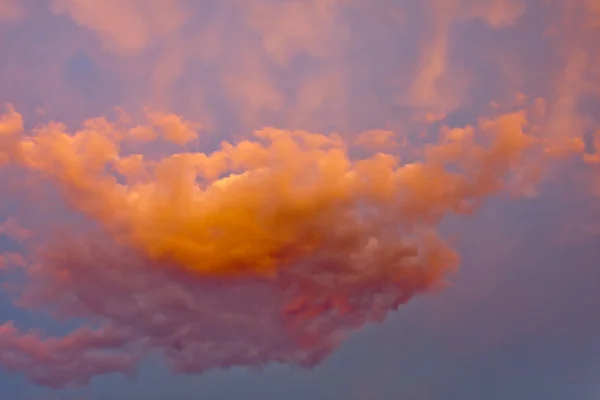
{"type": "Point", "coordinates": [12, 229]}
{"type": "Point", "coordinates": [11, 10]}
{"type": "Point", "coordinates": [200, 323]}
{"type": "Point", "coordinates": [125, 26]}
{"type": "Point", "coordinates": [267, 250]}
{"type": "Point", "coordinates": [377, 139]}
{"type": "Point", "coordinates": [213, 224]}
{"type": "Point", "coordinates": [288, 28]}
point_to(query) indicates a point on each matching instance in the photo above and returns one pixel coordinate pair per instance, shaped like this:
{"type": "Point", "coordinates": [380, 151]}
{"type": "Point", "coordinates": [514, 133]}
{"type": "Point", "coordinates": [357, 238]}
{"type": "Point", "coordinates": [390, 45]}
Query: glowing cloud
{"type": "Point", "coordinates": [275, 244]}
{"type": "Point", "coordinates": [267, 250]}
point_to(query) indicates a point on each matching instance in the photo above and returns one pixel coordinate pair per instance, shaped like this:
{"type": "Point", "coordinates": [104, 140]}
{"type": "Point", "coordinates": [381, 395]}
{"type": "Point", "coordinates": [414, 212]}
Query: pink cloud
{"type": "Point", "coordinates": [277, 261]}
{"type": "Point", "coordinates": [274, 246]}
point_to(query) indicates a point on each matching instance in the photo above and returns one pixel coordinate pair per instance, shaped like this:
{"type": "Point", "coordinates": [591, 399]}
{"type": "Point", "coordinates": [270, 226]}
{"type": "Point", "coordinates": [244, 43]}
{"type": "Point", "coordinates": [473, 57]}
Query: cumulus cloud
{"type": "Point", "coordinates": [269, 245]}
{"type": "Point", "coordinates": [267, 250]}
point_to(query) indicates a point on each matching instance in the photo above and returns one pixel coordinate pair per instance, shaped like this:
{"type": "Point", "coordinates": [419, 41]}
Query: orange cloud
{"type": "Point", "coordinates": [377, 139]}
{"type": "Point", "coordinates": [275, 194]}
{"type": "Point", "coordinates": [271, 247]}
{"type": "Point", "coordinates": [173, 128]}
{"type": "Point", "coordinates": [285, 223]}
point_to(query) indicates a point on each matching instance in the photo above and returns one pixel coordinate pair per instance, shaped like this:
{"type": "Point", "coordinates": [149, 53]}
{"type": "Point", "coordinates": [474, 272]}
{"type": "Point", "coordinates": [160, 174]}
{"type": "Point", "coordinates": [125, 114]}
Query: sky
{"type": "Point", "coordinates": [299, 199]}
